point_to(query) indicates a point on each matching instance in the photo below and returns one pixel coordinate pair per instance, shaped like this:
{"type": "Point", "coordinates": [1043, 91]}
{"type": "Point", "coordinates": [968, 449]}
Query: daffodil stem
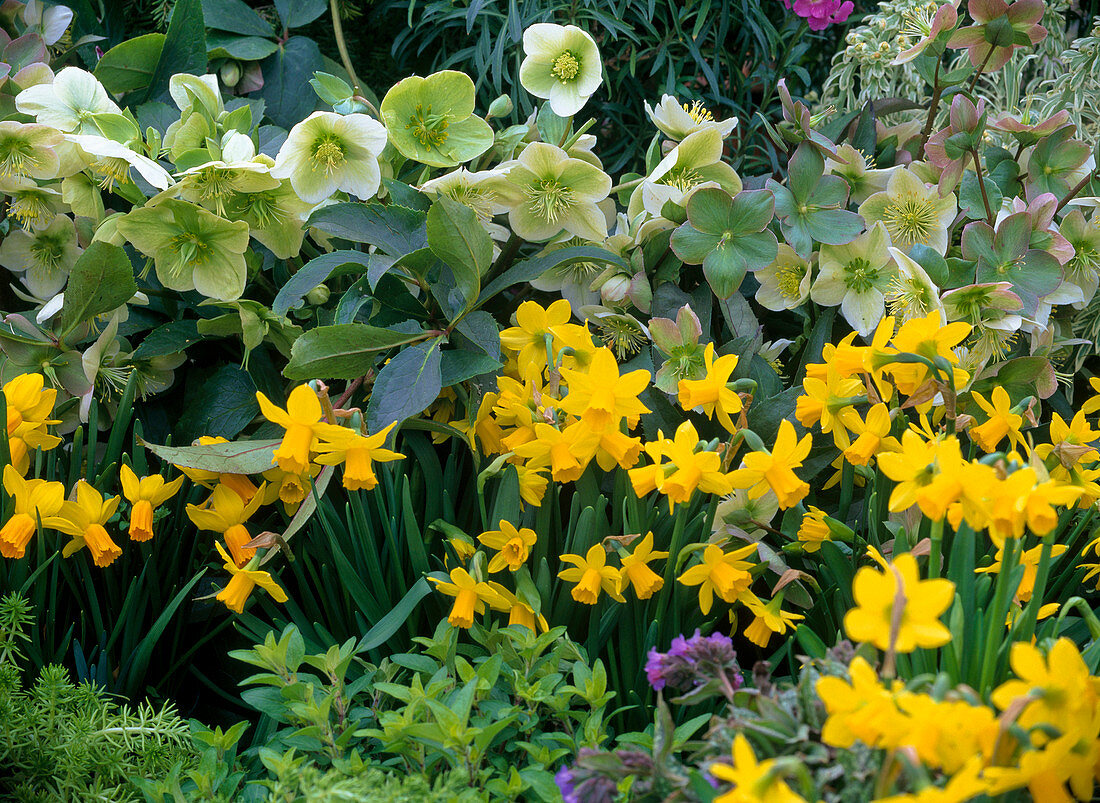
{"type": "Point", "coordinates": [342, 46]}
{"type": "Point", "coordinates": [847, 483]}
{"type": "Point", "coordinates": [995, 624]}
{"type": "Point", "coordinates": [1030, 617]}
{"type": "Point", "coordinates": [935, 540]}
{"type": "Point", "coordinates": [981, 185]}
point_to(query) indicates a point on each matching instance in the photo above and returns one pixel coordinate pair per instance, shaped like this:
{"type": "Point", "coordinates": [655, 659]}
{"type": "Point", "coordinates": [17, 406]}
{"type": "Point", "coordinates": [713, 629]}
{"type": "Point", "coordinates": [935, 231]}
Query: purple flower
{"type": "Point", "coordinates": [564, 779]}
{"type": "Point", "coordinates": [820, 14]}
{"type": "Point", "coordinates": [693, 662]}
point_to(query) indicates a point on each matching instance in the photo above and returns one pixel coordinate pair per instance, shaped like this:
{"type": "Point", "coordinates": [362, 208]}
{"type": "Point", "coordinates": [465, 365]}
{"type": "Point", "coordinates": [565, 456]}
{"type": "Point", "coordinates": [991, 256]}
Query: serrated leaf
{"type": "Point", "coordinates": [405, 386]}
{"type": "Point", "coordinates": [395, 230]}
{"type": "Point", "coordinates": [341, 351]}
{"type": "Point", "coordinates": [101, 280]}
{"type": "Point", "coordinates": [238, 457]}
{"type": "Point", "coordinates": [313, 273]}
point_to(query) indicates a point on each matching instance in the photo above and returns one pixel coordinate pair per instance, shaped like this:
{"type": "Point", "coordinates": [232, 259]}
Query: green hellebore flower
{"type": "Point", "coordinates": [68, 104]}
{"type": "Point", "coordinates": [27, 149]}
{"type": "Point", "coordinates": [562, 65]}
{"type": "Point", "coordinates": [785, 283]}
{"type": "Point", "coordinates": [275, 217]}
{"type": "Point", "coordinates": [912, 211]}
{"type": "Point", "coordinates": [191, 248]}
{"type": "Point", "coordinates": [856, 276]}
{"type": "Point", "coordinates": [728, 236]}
{"type": "Point", "coordinates": [694, 163]}
{"type": "Point", "coordinates": [679, 121]}
{"type": "Point", "coordinates": [45, 256]}
{"type": "Point", "coordinates": [554, 192]}
{"type": "Point", "coordinates": [32, 205]}
{"type": "Point", "coordinates": [431, 120]}
{"type": "Point", "coordinates": [327, 152]}
{"type": "Point", "coordinates": [1083, 269]}
{"type": "Point", "coordinates": [679, 341]}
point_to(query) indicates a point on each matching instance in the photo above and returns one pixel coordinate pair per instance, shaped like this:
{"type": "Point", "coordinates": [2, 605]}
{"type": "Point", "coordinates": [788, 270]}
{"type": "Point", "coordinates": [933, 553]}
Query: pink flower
{"type": "Point", "coordinates": [820, 14]}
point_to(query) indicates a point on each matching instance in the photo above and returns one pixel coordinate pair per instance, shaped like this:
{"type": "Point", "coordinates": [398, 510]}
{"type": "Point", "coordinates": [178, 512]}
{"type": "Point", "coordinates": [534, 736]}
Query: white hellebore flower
{"type": "Point", "coordinates": [51, 22]}
{"type": "Point", "coordinates": [678, 121]}
{"type": "Point", "coordinates": [45, 256]}
{"type": "Point", "coordinates": [68, 103]}
{"type": "Point", "coordinates": [327, 152]}
{"type": "Point", "coordinates": [856, 276]}
{"type": "Point", "coordinates": [562, 65]}
{"type": "Point", "coordinates": [113, 160]}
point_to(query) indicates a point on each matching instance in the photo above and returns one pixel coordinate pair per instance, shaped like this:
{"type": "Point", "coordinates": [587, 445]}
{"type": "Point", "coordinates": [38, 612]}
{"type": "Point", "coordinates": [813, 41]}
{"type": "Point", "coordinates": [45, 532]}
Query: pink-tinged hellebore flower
{"type": "Point", "coordinates": [927, 25]}
{"type": "Point", "coordinates": [950, 148]}
{"type": "Point", "coordinates": [1000, 28]}
{"type": "Point", "coordinates": [820, 14]}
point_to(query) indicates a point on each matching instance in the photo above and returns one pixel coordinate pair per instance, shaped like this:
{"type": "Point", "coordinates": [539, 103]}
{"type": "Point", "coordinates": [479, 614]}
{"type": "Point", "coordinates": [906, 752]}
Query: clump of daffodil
{"type": "Point", "coordinates": [431, 120]}
{"type": "Point", "coordinates": [71, 103]}
{"type": "Point", "coordinates": [35, 500]}
{"type": "Point", "coordinates": [687, 469]}
{"type": "Point", "coordinates": [552, 192]}
{"type": "Point", "coordinates": [27, 150]}
{"type": "Point", "coordinates": [857, 276]}
{"type": "Point", "coordinates": [592, 575]}
{"type": "Point", "coordinates": [242, 581]}
{"type": "Point", "coordinates": [44, 257]}
{"type": "Point", "coordinates": [562, 65]}
{"type": "Point", "coordinates": [191, 248]}
{"type": "Point", "coordinates": [913, 212]}
{"type": "Point", "coordinates": [471, 596]}
{"type": "Point", "coordinates": [83, 519]}
{"type": "Point", "coordinates": [513, 546]}
{"type": "Point", "coordinates": [896, 610]}
{"type": "Point", "coordinates": [145, 494]}
{"type": "Point", "coordinates": [719, 572]}
{"type": "Point", "coordinates": [302, 420]}
{"type": "Point", "coordinates": [679, 121]}
{"type": "Point", "coordinates": [328, 152]}
{"type": "Point", "coordinates": [357, 453]}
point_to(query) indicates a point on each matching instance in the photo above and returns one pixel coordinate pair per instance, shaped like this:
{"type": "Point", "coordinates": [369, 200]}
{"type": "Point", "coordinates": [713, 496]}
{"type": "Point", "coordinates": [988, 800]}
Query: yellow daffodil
{"type": "Point", "coordinates": [226, 513]}
{"type": "Point", "coordinates": [753, 781]}
{"type": "Point", "coordinates": [775, 469]}
{"type": "Point", "coordinates": [872, 434]}
{"type": "Point", "coordinates": [1001, 421]}
{"type": "Point", "coordinates": [896, 610]}
{"type": "Point", "coordinates": [823, 403]}
{"type": "Point", "coordinates": [601, 397]}
{"type": "Point", "coordinates": [286, 487]}
{"type": "Point", "coordinates": [84, 520]}
{"type": "Point", "coordinates": [566, 452]}
{"type": "Point", "coordinates": [356, 453]}
{"type": "Point", "coordinates": [243, 580]}
{"type": "Point", "coordinates": [145, 495]}
{"type": "Point", "coordinates": [519, 612]}
{"type": "Point", "coordinates": [534, 325]}
{"type": "Point", "coordinates": [926, 337]}
{"type": "Point", "coordinates": [814, 531]}
{"type": "Point", "coordinates": [712, 394]}
{"type": "Point", "coordinates": [724, 573]}
{"type": "Point", "coordinates": [1059, 686]}
{"type": "Point", "coordinates": [591, 575]}
{"type": "Point", "coordinates": [685, 470]}
{"type": "Point", "coordinates": [1029, 559]}
{"type": "Point", "coordinates": [859, 709]}
{"type": "Point", "coordinates": [768, 618]}
{"type": "Point", "coordinates": [34, 500]}
{"type": "Point", "coordinates": [470, 596]}
{"type": "Point", "coordinates": [513, 545]}
{"type": "Point", "coordinates": [302, 422]}
{"type": "Point", "coordinates": [636, 571]}
{"type": "Point", "coordinates": [532, 485]}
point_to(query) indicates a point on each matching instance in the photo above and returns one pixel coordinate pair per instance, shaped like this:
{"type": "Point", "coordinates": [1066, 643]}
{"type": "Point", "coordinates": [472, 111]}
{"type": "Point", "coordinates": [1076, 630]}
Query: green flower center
{"type": "Point", "coordinates": [910, 220]}
{"type": "Point", "coordinates": [215, 184]}
{"type": "Point", "coordinates": [917, 22]}
{"type": "Point", "coordinates": [686, 360]}
{"type": "Point", "coordinates": [478, 199]}
{"type": "Point", "coordinates": [908, 298]}
{"type": "Point", "coordinates": [788, 280]}
{"type": "Point", "coordinates": [429, 129]}
{"type": "Point", "coordinates": [18, 156]}
{"type": "Point", "coordinates": [682, 178]}
{"type": "Point", "coordinates": [622, 336]}
{"type": "Point", "coordinates": [1085, 258]}
{"type": "Point", "coordinates": [328, 153]}
{"type": "Point", "coordinates": [859, 275]}
{"type": "Point", "coordinates": [262, 206]}
{"type": "Point", "coordinates": [48, 252]}
{"type": "Point", "coordinates": [992, 343]}
{"type": "Point", "coordinates": [698, 112]}
{"type": "Point", "coordinates": [549, 199]}
{"type": "Point", "coordinates": [565, 67]}
{"type": "Point", "coordinates": [31, 210]}
{"type": "Point", "coordinates": [113, 170]}
{"type": "Point", "coordinates": [193, 251]}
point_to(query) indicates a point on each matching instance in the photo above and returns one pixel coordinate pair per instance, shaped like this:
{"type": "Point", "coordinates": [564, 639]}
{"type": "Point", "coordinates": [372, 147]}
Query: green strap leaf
{"type": "Point", "coordinates": [388, 625]}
